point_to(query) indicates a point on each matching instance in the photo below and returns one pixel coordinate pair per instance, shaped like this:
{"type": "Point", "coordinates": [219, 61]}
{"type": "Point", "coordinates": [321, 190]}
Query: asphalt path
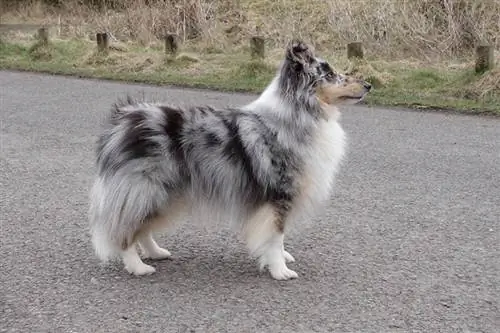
{"type": "Point", "coordinates": [409, 243]}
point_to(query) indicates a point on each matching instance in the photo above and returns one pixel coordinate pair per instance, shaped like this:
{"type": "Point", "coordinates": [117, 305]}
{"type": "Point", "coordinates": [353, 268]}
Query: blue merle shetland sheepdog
{"type": "Point", "coordinates": [260, 166]}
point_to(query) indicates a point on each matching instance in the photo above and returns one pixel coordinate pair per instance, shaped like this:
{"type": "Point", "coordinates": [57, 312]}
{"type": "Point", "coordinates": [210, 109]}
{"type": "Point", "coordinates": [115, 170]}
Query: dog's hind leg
{"type": "Point", "coordinates": [133, 263]}
{"type": "Point", "coordinates": [151, 249]}
{"type": "Point", "coordinates": [144, 239]}
{"type": "Point", "coordinates": [264, 234]}
{"type": "Point", "coordinates": [166, 219]}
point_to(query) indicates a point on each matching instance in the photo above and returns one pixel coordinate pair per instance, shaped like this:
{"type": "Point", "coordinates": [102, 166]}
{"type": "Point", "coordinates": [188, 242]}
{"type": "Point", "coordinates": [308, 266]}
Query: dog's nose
{"type": "Point", "coordinates": [367, 86]}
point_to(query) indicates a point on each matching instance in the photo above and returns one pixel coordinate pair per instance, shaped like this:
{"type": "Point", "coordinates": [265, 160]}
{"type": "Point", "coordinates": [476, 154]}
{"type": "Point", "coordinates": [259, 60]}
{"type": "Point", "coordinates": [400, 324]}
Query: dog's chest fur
{"type": "Point", "coordinates": [321, 165]}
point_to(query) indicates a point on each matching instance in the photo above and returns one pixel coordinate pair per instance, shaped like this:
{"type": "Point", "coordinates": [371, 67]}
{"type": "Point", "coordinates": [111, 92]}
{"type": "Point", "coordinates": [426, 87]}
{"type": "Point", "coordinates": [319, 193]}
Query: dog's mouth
{"type": "Point", "coordinates": [352, 98]}
{"type": "Point", "coordinates": [358, 96]}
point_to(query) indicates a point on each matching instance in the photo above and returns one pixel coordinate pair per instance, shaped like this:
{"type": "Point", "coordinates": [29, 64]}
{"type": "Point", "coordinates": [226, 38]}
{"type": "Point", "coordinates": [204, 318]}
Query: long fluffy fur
{"type": "Point", "coordinates": [261, 166]}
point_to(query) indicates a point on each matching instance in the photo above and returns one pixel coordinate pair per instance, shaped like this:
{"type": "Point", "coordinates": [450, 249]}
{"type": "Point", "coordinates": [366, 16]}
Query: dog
{"type": "Point", "coordinates": [261, 166]}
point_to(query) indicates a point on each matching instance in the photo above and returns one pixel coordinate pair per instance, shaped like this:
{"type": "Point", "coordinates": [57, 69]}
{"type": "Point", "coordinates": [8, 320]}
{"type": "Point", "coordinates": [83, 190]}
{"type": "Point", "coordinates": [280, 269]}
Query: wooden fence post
{"type": "Point", "coordinates": [257, 47]}
{"type": "Point", "coordinates": [355, 50]}
{"type": "Point", "coordinates": [43, 36]}
{"type": "Point", "coordinates": [171, 45]}
{"type": "Point", "coordinates": [484, 58]}
{"type": "Point", "coordinates": [102, 41]}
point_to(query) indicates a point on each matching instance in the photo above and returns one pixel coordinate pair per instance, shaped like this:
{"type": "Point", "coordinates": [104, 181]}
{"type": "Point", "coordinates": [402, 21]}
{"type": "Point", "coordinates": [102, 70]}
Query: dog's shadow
{"type": "Point", "coordinates": [196, 268]}
{"type": "Point", "coordinates": [228, 265]}
{"type": "Point", "coordinates": [201, 259]}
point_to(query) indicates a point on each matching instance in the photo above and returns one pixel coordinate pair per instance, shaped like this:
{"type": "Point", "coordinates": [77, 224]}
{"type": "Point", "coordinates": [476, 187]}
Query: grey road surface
{"type": "Point", "coordinates": [409, 243]}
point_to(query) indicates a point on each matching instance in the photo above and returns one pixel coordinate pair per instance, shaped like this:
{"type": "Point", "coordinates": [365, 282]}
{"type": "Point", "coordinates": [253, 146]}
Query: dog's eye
{"type": "Point", "coordinates": [331, 76]}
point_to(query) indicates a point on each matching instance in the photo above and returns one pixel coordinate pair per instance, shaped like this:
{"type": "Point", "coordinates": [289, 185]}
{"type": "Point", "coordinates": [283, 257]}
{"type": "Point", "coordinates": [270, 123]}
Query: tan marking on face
{"type": "Point", "coordinates": [332, 94]}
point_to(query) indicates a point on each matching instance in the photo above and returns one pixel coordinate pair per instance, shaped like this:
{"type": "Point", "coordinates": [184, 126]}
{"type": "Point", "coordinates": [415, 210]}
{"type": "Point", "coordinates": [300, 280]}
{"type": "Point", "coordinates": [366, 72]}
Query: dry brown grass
{"type": "Point", "coordinates": [416, 51]}
{"type": "Point", "coordinates": [390, 28]}
{"type": "Point", "coordinates": [488, 84]}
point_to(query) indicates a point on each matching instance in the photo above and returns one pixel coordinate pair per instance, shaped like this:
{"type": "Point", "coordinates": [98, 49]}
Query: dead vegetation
{"type": "Point", "coordinates": [397, 28]}
{"type": "Point", "coordinates": [411, 34]}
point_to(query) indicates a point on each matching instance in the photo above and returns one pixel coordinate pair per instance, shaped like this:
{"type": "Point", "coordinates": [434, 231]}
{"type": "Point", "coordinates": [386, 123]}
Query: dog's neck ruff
{"type": "Point", "coordinates": [271, 101]}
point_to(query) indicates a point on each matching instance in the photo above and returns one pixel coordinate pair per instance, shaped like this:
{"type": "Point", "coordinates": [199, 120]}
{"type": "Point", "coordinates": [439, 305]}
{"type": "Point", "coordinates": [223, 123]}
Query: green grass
{"type": "Point", "coordinates": [430, 88]}
{"type": "Point", "coordinates": [434, 89]}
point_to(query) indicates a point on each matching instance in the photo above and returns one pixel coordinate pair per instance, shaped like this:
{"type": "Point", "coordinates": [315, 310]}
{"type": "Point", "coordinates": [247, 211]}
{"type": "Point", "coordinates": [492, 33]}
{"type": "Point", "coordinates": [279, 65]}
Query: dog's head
{"type": "Point", "coordinates": [316, 77]}
{"type": "Point", "coordinates": [335, 89]}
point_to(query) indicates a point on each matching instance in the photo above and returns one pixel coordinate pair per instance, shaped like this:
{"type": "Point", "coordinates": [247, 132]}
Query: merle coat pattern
{"type": "Point", "coordinates": [260, 166]}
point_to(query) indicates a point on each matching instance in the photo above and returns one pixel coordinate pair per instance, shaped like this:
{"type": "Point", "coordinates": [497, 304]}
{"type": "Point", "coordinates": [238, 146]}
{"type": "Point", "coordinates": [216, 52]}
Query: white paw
{"type": "Point", "coordinates": [140, 269]}
{"type": "Point", "coordinates": [288, 257]}
{"type": "Point", "coordinates": [283, 273]}
{"type": "Point", "coordinates": [158, 254]}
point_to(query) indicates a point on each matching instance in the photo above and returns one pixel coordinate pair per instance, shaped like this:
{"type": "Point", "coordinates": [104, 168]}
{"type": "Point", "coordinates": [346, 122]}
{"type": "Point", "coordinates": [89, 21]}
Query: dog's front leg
{"type": "Point", "coordinates": [275, 258]}
{"type": "Point", "coordinates": [265, 240]}
{"type": "Point", "coordinates": [288, 257]}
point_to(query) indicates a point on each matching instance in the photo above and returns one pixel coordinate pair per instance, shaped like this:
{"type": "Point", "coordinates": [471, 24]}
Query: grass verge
{"type": "Point", "coordinates": [397, 84]}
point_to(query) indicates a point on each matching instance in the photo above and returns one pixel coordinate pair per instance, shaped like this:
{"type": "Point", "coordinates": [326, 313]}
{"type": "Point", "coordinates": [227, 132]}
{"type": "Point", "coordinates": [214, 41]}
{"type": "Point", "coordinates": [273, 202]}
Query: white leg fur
{"type": "Point", "coordinates": [151, 249]}
{"type": "Point", "coordinates": [133, 263]}
{"type": "Point", "coordinates": [274, 258]}
{"type": "Point", "coordinates": [288, 257]}
{"type": "Point", "coordinates": [266, 242]}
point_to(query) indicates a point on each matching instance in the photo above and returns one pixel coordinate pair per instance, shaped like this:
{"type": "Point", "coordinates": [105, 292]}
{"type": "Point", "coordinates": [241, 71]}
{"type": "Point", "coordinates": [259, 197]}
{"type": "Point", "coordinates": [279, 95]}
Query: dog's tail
{"type": "Point", "coordinates": [128, 192]}
{"type": "Point", "coordinates": [120, 206]}
{"type": "Point", "coordinates": [101, 222]}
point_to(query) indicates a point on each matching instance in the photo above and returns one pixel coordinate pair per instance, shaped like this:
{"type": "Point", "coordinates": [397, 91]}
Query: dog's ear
{"type": "Point", "coordinates": [300, 53]}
